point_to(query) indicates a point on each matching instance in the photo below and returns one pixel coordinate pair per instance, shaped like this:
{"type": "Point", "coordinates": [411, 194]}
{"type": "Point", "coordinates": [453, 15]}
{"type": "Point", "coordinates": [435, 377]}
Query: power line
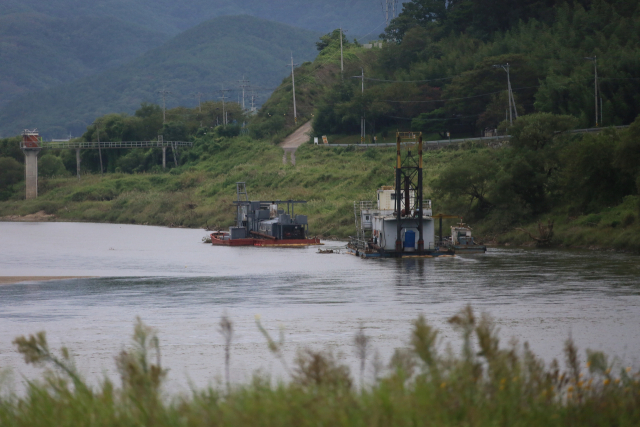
{"type": "Point", "coordinates": [434, 120]}
{"type": "Point", "coordinates": [457, 99]}
{"type": "Point", "coordinates": [409, 81]}
{"type": "Point", "coordinates": [362, 37]}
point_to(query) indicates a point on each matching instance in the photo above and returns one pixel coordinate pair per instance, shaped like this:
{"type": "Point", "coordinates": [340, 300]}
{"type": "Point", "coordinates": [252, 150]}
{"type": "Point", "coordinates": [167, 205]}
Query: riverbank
{"type": "Point", "coordinates": [330, 179]}
{"type": "Point", "coordinates": [10, 280]}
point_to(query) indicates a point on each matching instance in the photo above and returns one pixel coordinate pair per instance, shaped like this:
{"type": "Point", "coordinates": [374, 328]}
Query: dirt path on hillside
{"type": "Point", "coordinates": [295, 140]}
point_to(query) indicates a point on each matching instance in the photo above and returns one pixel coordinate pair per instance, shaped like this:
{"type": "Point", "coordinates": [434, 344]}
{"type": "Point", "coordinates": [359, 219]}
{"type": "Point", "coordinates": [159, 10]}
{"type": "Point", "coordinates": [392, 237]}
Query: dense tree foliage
{"type": "Point", "coordinates": [545, 167]}
{"type": "Point", "coordinates": [442, 67]}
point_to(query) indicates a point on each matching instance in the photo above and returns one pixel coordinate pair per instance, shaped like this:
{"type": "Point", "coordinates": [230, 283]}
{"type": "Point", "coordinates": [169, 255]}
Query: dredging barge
{"type": "Point", "coordinates": [263, 223]}
{"type": "Point", "coordinates": [402, 224]}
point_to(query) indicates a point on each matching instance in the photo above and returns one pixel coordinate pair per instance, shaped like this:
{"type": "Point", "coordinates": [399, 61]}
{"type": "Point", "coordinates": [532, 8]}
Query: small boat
{"type": "Point", "coordinates": [462, 242]}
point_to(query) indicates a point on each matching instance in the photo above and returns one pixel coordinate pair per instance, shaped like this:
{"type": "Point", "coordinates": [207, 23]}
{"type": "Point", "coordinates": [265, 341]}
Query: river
{"type": "Point", "coordinates": [182, 287]}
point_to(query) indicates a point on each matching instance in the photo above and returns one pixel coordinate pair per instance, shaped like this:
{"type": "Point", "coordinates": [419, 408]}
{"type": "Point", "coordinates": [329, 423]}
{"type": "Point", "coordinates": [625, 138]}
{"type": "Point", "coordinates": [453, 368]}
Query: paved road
{"type": "Point", "coordinates": [293, 141]}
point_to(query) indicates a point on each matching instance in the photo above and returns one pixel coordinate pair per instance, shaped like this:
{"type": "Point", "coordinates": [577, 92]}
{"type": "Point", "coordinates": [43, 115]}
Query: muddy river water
{"type": "Point", "coordinates": [182, 287]}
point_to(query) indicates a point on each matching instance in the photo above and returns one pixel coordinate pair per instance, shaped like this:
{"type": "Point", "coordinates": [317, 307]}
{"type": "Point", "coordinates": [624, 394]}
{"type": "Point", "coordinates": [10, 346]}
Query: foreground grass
{"type": "Point", "coordinates": [486, 385]}
{"type": "Point", "coordinates": [200, 193]}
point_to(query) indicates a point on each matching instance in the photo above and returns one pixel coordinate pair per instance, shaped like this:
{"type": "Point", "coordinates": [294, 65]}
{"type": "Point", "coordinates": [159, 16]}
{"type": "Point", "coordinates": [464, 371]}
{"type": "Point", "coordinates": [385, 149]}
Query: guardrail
{"type": "Point", "coordinates": [444, 142]}
{"type": "Point", "coordinates": [96, 145]}
{"type": "Point", "coordinates": [425, 144]}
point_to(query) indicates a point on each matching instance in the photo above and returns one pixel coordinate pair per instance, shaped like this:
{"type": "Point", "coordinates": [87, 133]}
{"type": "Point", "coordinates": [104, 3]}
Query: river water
{"type": "Point", "coordinates": [182, 287]}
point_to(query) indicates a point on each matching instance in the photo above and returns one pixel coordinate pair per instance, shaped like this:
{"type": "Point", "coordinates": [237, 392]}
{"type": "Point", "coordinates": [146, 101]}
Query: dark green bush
{"type": "Point", "coordinates": [11, 171]}
{"type": "Point", "coordinates": [628, 219]}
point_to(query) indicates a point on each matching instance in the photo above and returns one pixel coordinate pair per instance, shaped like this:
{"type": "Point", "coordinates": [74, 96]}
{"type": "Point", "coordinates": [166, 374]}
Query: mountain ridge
{"type": "Point", "coordinates": [217, 52]}
{"type": "Point", "coordinates": [39, 52]}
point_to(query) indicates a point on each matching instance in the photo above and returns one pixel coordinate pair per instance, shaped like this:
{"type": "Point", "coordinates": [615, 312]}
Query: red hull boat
{"type": "Point", "coordinates": [222, 238]}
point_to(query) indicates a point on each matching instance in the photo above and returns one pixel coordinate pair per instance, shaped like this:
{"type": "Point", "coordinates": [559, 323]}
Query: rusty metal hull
{"type": "Point", "coordinates": [222, 239]}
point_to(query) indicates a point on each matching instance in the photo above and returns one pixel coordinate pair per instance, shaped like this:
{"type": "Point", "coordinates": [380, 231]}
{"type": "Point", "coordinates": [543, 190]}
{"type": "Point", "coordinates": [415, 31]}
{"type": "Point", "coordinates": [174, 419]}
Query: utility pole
{"type": "Point", "coordinates": [99, 149]}
{"type": "Point", "coordinates": [341, 57]}
{"type": "Point", "coordinates": [595, 83]}
{"type": "Point", "coordinates": [199, 96]}
{"type": "Point", "coordinates": [253, 101]}
{"type": "Point", "coordinates": [293, 83]}
{"type": "Point", "coordinates": [223, 97]}
{"type": "Point", "coordinates": [362, 121]}
{"type": "Point", "coordinates": [512, 102]}
{"type": "Point", "coordinates": [243, 84]}
{"type": "Point", "coordinates": [363, 133]}
{"type": "Point", "coordinates": [164, 93]}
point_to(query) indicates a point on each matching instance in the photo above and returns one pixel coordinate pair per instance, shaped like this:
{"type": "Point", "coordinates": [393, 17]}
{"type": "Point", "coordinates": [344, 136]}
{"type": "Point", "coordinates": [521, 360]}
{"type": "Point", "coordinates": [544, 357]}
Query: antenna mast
{"type": "Point", "coordinates": [389, 9]}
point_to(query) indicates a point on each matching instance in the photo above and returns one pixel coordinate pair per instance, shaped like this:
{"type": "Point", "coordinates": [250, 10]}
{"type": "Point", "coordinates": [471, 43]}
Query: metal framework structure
{"type": "Point", "coordinates": [358, 209]}
{"type": "Point", "coordinates": [119, 144]}
{"type": "Point", "coordinates": [409, 178]}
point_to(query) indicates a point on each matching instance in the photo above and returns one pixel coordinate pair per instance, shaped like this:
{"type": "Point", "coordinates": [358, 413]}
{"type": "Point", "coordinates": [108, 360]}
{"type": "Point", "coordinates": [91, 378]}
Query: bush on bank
{"type": "Point", "coordinates": [483, 384]}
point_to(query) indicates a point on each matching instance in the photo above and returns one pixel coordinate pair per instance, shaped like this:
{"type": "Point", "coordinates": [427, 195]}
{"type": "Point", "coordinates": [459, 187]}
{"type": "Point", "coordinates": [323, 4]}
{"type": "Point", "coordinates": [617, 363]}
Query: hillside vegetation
{"type": "Point", "coordinates": [439, 74]}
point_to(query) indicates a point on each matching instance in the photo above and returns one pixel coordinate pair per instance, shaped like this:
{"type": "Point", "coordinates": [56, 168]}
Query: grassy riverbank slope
{"type": "Point", "coordinates": [200, 193]}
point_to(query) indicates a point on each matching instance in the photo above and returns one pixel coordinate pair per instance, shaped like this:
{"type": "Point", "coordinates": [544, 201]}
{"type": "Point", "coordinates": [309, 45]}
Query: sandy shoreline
{"type": "Point", "coordinates": [9, 280]}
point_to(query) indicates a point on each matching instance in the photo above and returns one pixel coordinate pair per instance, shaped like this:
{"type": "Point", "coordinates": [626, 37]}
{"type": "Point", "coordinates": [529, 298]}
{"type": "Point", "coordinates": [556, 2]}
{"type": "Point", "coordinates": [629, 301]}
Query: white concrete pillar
{"type": "Point", "coordinates": [31, 172]}
{"type": "Point", "coordinates": [164, 157]}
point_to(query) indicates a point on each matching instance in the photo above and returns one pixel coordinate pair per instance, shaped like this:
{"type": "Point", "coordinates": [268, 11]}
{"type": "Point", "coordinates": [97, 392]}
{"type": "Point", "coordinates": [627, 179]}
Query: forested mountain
{"type": "Point", "coordinates": [45, 43]}
{"type": "Point", "coordinates": [39, 52]}
{"type": "Point", "coordinates": [174, 16]}
{"type": "Point", "coordinates": [200, 60]}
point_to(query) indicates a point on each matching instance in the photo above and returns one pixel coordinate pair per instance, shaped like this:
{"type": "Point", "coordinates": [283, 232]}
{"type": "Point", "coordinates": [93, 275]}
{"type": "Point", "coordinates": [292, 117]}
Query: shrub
{"type": "Point", "coordinates": [50, 165]}
{"type": "Point", "coordinates": [11, 172]}
{"type": "Point", "coordinates": [628, 219]}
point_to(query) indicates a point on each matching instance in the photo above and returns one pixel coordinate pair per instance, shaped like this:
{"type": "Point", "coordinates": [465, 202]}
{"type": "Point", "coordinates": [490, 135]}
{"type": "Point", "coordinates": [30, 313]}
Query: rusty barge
{"type": "Point", "coordinates": [264, 223]}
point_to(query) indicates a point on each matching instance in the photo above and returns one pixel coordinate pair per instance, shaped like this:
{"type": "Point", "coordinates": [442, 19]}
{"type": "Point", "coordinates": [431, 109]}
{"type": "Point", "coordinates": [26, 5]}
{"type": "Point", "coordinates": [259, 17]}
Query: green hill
{"type": "Point", "coordinates": [217, 52]}
{"type": "Point", "coordinates": [39, 52]}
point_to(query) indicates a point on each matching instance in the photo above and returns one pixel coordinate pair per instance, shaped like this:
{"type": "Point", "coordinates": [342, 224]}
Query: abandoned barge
{"type": "Point", "coordinates": [263, 223]}
{"type": "Point", "coordinates": [402, 223]}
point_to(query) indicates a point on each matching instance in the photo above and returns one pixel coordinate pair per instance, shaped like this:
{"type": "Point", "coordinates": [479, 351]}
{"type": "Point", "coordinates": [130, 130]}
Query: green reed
{"type": "Point", "coordinates": [484, 384]}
